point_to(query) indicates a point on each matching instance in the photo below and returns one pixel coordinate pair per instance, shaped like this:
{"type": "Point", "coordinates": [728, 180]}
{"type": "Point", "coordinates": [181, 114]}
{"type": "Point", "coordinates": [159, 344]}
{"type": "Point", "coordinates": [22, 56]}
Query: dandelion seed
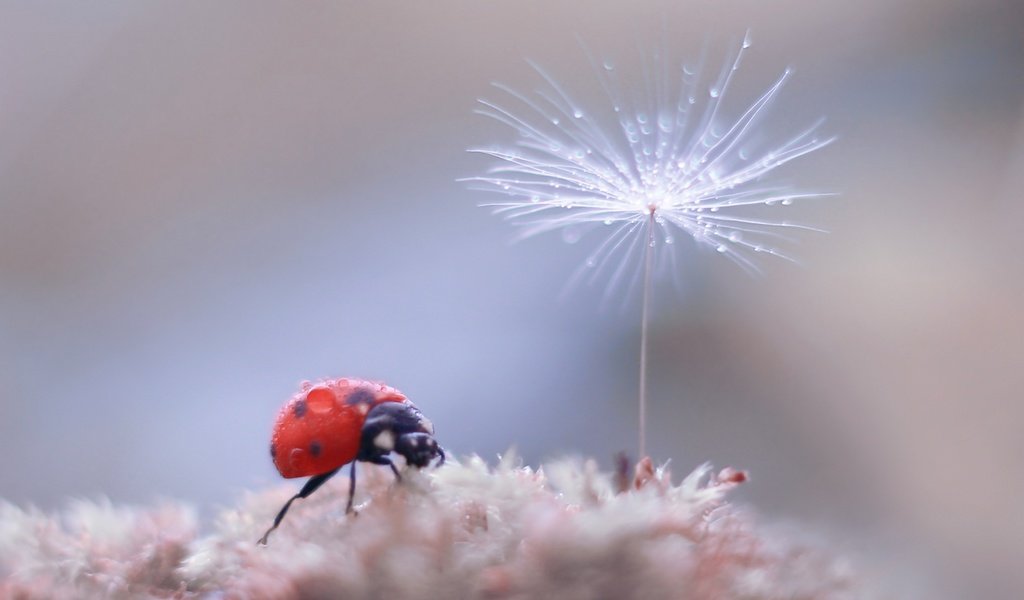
{"type": "Point", "coordinates": [670, 163]}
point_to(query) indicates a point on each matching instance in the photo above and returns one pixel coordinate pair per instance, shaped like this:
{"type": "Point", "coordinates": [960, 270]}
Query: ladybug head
{"type": "Point", "coordinates": [418, 449]}
{"type": "Point", "coordinates": [401, 428]}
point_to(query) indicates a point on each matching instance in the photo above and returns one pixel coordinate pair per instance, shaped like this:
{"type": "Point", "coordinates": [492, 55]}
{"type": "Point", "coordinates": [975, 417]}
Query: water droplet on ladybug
{"type": "Point", "coordinates": [321, 400]}
{"type": "Point", "coordinates": [295, 457]}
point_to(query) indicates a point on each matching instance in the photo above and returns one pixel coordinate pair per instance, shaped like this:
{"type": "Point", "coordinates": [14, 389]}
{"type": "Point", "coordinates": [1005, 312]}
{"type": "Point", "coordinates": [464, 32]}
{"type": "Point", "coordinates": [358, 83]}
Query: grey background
{"type": "Point", "coordinates": [203, 203]}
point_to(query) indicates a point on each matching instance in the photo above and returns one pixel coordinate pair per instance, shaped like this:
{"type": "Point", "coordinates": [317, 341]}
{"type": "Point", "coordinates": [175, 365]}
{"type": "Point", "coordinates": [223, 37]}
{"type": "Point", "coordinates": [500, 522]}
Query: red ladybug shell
{"type": "Point", "coordinates": [318, 429]}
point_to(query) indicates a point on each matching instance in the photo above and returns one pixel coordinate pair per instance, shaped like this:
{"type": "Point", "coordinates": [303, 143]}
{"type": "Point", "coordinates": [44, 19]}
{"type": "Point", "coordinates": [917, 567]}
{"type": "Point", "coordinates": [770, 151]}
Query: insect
{"type": "Point", "coordinates": [330, 424]}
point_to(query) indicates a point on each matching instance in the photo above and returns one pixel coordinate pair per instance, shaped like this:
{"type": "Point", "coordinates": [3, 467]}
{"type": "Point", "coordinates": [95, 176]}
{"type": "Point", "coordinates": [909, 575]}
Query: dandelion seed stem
{"type": "Point", "coordinates": [642, 393]}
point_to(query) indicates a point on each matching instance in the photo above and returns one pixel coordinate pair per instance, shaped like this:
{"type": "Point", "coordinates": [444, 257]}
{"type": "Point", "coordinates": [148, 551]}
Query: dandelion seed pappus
{"type": "Point", "coordinates": [652, 168]}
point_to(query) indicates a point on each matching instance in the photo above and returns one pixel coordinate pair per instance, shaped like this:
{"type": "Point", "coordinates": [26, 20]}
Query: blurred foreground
{"type": "Point", "coordinates": [464, 531]}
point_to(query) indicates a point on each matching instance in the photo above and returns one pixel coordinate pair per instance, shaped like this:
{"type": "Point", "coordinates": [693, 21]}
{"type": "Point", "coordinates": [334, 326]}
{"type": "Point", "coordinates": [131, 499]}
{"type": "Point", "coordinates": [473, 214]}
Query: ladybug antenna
{"type": "Point", "coordinates": [310, 487]}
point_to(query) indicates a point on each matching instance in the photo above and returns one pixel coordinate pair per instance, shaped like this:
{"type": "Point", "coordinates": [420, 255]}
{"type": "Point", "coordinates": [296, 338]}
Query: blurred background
{"type": "Point", "coordinates": [203, 204]}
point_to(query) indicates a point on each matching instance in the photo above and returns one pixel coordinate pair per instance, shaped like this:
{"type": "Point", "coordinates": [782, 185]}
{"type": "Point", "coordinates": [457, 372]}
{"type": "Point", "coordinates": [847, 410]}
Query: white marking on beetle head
{"type": "Point", "coordinates": [385, 440]}
{"type": "Point", "coordinates": [364, 408]}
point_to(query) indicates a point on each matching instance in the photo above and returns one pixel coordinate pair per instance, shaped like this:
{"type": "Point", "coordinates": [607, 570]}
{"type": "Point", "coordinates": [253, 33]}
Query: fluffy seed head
{"type": "Point", "coordinates": [669, 160]}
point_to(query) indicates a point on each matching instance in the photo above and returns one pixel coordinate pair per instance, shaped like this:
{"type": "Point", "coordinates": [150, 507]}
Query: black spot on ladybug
{"type": "Point", "coordinates": [273, 451]}
{"type": "Point", "coordinates": [360, 396]}
{"type": "Point", "coordinates": [300, 409]}
{"type": "Point", "coordinates": [314, 448]}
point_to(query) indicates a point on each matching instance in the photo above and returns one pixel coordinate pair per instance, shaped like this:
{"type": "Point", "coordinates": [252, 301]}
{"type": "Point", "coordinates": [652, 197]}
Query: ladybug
{"type": "Point", "coordinates": [330, 424]}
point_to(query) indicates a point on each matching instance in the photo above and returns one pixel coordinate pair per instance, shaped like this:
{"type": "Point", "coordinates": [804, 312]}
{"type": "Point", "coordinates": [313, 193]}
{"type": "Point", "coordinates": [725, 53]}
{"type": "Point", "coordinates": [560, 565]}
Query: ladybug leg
{"type": "Point", "coordinates": [311, 486]}
{"type": "Point", "coordinates": [376, 460]}
{"type": "Point", "coordinates": [351, 487]}
{"type": "Point", "coordinates": [385, 460]}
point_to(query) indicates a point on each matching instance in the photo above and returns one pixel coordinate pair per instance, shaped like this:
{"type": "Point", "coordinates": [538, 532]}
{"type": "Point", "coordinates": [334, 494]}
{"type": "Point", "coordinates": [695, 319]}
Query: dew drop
{"type": "Point", "coordinates": [734, 236]}
{"type": "Point", "coordinates": [554, 121]}
{"type": "Point", "coordinates": [608, 221]}
{"type": "Point", "coordinates": [714, 92]}
{"type": "Point", "coordinates": [722, 248]}
{"type": "Point", "coordinates": [578, 113]}
{"type": "Point", "coordinates": [608, 65]}
{"type": "Point", "coordinates": [787, 201]}
{"type": "Point", "coordinates": [669, 239]}
{"type": "Point", "coordinates": [295, 456]}
{"type": "Point", "coordinates": [591, 262]}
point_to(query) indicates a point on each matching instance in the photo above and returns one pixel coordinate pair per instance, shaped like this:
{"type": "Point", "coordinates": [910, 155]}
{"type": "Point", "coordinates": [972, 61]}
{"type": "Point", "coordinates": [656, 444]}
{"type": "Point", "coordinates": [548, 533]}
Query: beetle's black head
{"type": "Point", "coordinates": [401, 428]}
{"type": "Point", "coordinates": [418, 449]}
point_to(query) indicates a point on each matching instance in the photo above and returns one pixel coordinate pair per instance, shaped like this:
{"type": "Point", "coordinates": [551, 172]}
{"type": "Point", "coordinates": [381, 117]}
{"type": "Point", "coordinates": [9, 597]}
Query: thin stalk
{"type": "Point", "coordinates": [642, 393]}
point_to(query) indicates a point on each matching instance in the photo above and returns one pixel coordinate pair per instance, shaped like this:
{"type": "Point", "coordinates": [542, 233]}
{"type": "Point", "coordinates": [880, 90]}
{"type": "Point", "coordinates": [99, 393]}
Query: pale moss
{"type": "Point", "coordinates": [466, 530]}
